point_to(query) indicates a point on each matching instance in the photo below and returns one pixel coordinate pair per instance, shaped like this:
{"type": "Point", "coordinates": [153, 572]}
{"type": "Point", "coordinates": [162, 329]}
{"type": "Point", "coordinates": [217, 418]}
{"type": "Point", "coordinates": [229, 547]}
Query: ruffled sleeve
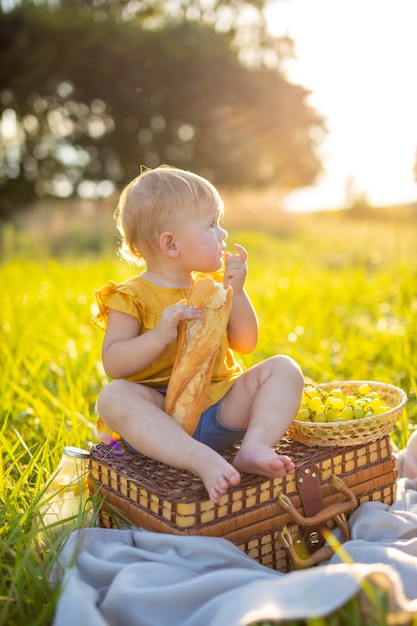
{"type": "Point", "coordinates": [118, 297]}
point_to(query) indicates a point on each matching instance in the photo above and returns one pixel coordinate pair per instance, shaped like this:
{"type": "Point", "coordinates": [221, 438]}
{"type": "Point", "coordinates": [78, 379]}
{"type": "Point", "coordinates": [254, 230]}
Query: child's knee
{"type": "Point", "coordinates": [284, 365]}
{"type": "Point", "coordinates": [109, 398]}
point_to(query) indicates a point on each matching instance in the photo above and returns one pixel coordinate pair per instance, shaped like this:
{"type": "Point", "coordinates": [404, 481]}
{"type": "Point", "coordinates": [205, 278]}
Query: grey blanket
{"type": "Point", "coordinates": [139, 578]}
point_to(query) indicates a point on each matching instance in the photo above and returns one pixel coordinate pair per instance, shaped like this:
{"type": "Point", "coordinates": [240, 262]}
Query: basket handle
{"type": "Point", "coordinates": [330, 511]}
{"type": "Point", "coordinates": [322, 554]}
{"type": "Point", "coordinates": [315, 539]}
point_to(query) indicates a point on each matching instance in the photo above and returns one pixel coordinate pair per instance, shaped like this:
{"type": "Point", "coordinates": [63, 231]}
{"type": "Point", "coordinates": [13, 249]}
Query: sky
{"type": "Point", "coordinates": [359, 59]}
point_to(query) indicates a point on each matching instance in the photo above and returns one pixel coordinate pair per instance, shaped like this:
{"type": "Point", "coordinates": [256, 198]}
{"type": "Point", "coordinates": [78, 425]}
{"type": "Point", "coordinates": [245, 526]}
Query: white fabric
{"type": "Point", "coordinates": [138, 578]}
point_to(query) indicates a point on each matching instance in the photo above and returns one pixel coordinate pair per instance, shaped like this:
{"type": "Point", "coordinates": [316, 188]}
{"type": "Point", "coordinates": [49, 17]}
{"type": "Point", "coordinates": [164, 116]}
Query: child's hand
{"type": "Point", "coordinates": [167, 328]}
{"type": "Point", "coordinates": [235, 268]}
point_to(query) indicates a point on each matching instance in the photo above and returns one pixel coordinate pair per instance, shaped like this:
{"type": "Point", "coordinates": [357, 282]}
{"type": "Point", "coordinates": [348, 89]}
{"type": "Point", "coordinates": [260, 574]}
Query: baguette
{"type": "Point", "coordinates": [197, 346]}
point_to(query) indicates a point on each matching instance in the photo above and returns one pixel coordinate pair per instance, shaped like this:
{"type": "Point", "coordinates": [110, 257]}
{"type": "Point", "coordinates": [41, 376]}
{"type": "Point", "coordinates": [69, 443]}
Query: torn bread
{"type": "Point", "coordinates": [197, 347]}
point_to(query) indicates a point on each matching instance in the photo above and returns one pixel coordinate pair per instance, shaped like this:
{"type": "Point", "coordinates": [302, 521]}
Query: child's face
{"type": "Point", "coordinates": [201, 239]}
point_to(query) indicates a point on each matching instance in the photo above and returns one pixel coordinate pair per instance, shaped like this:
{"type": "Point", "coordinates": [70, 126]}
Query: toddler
{"type": "Point", "coordinates": [170, 222]}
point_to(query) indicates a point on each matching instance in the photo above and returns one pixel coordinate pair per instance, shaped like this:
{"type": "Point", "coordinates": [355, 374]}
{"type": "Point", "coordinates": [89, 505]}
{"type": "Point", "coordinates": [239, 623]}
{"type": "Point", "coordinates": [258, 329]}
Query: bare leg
{"type": "Point", "coordinates": [264, 400]}
{"type": "Point", "coordinates": [135, 412]}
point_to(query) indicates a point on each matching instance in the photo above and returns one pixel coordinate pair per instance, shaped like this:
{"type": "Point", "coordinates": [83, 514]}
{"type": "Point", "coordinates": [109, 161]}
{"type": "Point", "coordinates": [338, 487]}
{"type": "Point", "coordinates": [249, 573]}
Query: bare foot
{"type": "Point", "coordinates": [260, 459]}
{"type": "Point", "coordinates": [216, 473]}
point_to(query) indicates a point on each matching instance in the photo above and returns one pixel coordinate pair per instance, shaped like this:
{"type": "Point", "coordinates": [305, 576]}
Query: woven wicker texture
{"type": "Point", "coordinates": [154, 496]}
{"type": "Point", "coordinates": [352, 432]}
{"type": "Point", "coordinates": [157, 497]}
{"type": "Point", "coordinates": [178, 500]}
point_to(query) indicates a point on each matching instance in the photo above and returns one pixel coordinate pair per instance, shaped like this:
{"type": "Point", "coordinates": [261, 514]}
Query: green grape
{"type": "Point", "coordinates": [347, 413]}
{"type": "Point", "coordinates": [303, 415]}
{"type": "Point", "coordinates": [338, 403]}
{"type": "Point", "coordinates": [338, 393]}
{"type": "Point", "coordinates": [309, 392]}
{"type": "Point", "coordinates": [375, 404]}
{"type": "Point", "coordinates": [360, 403]}
{"type": "Point", "coordinates": [364, 389]}
{"type": "Point", "coordinates": [333, 415]}
{"type": "Point", "coordinates": [350, 400]}
{"type": "Point", "coordinates": [382, 409]}
{"type": "Point", "coordinates": [314, 403]}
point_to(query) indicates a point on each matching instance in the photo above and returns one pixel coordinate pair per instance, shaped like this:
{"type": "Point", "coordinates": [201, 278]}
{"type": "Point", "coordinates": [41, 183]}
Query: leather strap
{"type": "Point", "coordinates": [309, 488]}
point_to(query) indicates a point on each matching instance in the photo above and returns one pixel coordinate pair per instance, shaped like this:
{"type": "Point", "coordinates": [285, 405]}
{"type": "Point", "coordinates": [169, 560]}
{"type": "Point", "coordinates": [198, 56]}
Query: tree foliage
{"type": "Point", "coordinates": [90, 91]}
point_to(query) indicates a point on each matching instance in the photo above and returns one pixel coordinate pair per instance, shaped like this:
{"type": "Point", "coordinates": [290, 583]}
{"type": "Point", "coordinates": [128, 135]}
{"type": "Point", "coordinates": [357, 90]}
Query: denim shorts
{"type": "Point", "coordinates": [210, 430]}
{"type": "Point", "coordinates": [213, 433]}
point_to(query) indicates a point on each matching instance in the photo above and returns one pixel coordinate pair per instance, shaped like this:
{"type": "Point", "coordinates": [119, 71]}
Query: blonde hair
{"type": "Point", "coordinates": [153, 201]}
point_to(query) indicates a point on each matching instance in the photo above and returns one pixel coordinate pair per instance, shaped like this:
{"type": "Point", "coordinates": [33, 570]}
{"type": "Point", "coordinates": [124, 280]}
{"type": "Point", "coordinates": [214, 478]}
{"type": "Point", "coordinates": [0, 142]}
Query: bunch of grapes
{"type": "Point", "coordinates": [336, 405]}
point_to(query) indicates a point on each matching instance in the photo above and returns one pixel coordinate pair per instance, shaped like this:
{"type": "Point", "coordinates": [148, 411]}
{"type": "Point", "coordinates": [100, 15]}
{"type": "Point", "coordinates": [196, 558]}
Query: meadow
{"type": "Point", "coordinates": [334, 290]}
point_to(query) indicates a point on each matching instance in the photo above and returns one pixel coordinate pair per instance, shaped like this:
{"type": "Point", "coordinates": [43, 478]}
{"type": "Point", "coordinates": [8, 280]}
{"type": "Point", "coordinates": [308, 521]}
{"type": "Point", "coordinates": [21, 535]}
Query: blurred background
{"type": "Point", "coordinates": [306, 105]}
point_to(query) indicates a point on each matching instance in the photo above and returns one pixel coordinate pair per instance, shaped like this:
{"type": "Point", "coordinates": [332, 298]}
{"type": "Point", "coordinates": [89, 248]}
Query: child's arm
{"type": "Point", "coordinates": [126, 353]}
{"type": "Point", "coordinates": [243, 322]}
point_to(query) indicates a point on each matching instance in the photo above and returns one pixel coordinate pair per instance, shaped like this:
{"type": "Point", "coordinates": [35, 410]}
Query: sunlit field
{"type": "Point", "coordinates": [336, 291]}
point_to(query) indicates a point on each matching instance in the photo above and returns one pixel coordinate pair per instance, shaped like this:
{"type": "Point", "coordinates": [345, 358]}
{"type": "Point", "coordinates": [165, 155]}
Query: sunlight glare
{"type": "Point", "coordinates": [357, 58]}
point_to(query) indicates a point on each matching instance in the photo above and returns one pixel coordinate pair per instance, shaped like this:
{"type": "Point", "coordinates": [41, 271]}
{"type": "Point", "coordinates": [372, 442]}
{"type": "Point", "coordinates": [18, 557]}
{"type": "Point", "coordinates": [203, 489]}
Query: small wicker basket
{"type": "Point", "coordinates": [352, 432]}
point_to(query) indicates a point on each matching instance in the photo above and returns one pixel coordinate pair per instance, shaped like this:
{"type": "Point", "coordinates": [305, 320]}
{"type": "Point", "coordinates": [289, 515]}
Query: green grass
{"type": "Point", "coordinates": [336, 293]}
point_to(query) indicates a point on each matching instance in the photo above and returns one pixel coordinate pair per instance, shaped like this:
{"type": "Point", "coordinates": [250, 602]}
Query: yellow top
{"type": "Point", "coordinates": [146, 302]}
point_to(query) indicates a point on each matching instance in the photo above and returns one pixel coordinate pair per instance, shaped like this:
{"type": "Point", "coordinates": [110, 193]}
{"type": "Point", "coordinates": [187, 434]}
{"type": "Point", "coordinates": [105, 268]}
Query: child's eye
{"type": "Point", "coordinates": [213, 224]}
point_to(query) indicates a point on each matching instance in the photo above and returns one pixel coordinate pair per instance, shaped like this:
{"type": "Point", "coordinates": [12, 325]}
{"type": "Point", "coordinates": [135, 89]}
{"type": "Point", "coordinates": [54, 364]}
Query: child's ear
{"type": "Point", "coordinates": [168, 245]}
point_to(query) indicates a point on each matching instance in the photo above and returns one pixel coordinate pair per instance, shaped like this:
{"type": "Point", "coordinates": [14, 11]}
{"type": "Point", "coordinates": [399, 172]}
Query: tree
{"type": "Point", "coordinates": [88, 96]}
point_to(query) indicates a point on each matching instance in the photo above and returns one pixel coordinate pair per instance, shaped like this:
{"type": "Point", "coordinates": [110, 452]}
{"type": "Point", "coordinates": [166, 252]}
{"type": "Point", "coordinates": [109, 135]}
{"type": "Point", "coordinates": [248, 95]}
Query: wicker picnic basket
{"type": "Point", "coordinates": [352, 432]}
{"type": "Point", "coordinates": [270, 519]}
